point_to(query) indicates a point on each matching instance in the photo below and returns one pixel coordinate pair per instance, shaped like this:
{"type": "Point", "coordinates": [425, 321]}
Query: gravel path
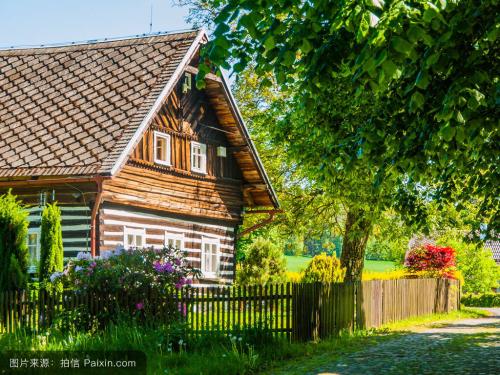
{"type": "Point", "coordinates": [468, 346]}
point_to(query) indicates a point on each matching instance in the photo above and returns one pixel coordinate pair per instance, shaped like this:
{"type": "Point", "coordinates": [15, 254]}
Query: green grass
{"type": "Point", "coordinates": [216, 354]}
{"type": "Point", "coordinates": [299, 263]}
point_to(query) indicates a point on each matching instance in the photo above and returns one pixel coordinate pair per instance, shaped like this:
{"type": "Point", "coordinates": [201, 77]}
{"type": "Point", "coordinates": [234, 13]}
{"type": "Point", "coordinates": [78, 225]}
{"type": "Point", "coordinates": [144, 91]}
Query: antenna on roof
{"type": "Point", "coordinates": [151, 19]}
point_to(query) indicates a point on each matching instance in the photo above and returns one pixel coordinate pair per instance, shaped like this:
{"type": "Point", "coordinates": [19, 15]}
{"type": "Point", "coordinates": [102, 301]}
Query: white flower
{"type": "Point", "coordinates": [55, 276]}
{"type": "Point", "coordinates": [83, 256]}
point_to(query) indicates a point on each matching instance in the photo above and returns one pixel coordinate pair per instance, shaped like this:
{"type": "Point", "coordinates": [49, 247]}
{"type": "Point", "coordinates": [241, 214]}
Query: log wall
{"type": "Point", "coordinates": [114, 218]}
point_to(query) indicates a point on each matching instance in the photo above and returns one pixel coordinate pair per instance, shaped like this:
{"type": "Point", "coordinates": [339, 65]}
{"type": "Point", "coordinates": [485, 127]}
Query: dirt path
{"type": "Point", "coordinates": [468, 346]}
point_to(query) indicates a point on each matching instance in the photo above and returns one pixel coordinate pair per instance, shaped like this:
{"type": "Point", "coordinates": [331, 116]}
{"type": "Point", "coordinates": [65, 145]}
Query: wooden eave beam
{"type": "Point", "coordinates": [46, 181]}
{"type": "Point", "coordinates": [210, 76]}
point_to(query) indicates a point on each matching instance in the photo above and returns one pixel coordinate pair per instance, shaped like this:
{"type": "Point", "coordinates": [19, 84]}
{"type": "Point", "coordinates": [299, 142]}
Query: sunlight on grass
{"type": "Point", "coordinates": [299, 263]}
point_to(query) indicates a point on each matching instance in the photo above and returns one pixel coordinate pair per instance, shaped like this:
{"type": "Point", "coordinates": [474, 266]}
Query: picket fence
{"type": "Point", "coordinates": [298, 311]}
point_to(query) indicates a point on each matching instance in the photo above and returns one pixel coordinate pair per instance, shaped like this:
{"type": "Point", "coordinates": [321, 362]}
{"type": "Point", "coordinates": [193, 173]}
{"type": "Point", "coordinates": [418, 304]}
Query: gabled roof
{"type": "Point", "coordinates": [79, 110]}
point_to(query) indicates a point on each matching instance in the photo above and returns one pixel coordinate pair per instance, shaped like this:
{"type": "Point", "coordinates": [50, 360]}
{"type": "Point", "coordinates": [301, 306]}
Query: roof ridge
{"type": "Point", "coordinates": [95, 43]}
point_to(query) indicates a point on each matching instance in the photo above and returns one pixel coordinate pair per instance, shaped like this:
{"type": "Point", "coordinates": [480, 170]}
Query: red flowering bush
{"type": "Point", "coordinates": [437, 260]}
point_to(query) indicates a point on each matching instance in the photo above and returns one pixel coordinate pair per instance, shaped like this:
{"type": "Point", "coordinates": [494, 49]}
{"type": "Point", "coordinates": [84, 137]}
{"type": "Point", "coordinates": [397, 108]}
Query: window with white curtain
{"type": "Point", "coordinates": [174, 240]}
{"type": "Point", "coordinates": [198, 157]}
{"type": "Point", "coordinates": [162, 148]}
{"type": "Point", "coordinates": [134, 238]}
{"type": "Point", "coordinates": [210, 256]}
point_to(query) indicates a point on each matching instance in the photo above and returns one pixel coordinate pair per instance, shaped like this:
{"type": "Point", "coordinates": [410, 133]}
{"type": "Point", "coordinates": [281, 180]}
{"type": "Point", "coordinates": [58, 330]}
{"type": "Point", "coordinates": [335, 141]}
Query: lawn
{"type": "Point", "coordinates": [299, 263]}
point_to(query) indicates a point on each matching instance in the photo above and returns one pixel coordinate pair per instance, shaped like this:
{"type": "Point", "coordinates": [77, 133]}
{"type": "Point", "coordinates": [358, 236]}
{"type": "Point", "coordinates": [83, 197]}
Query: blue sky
{"type": "Point", "coordinates": [36, 22]}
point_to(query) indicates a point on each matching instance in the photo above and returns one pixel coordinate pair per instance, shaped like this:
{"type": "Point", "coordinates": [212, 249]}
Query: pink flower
{"type": "Point", "coordinates": [139, 305]}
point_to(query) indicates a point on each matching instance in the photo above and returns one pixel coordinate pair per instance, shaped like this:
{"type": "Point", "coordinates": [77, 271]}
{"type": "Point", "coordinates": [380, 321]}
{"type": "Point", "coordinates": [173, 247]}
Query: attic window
{"type": "Point", "coordinates": [162, 148]}
{"type": "Point", "coordinates": [198, 157]}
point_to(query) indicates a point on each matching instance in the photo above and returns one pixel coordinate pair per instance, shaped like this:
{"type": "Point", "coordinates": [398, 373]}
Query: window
{"type": "Point", "coordinates": [174, 240]}
{"type": "Point", "coordinates": [162, 148]}
{"type": "Point", "coordinates": [33, 241]}
{"type": "Point", "coordinates": [198, 157]}
{"type": "Point", "coordinates": [209, 256]}
{"type": "Point", "coordinates": [134, 237]}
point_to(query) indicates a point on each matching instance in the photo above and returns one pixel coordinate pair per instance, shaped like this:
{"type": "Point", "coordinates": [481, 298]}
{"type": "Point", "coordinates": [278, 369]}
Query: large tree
{"type": "Point", "coordinates": [431, 69]}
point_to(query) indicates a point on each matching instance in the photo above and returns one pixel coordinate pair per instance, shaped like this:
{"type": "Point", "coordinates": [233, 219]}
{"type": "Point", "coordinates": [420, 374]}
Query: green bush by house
{"type": "Point", "coordinates": [51, 245]}
{"type": "Point", "coordinates": [13, 246]}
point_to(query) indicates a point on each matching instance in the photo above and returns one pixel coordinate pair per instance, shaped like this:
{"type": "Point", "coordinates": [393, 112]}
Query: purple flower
{"type": "Point", "coordinates": [182, 281]}
{"type": "Point", "coordinates": [168, 267]}
{"type": "Point", "coordinates": [139, 305]}
{"type": "Point", "coordinates": [78, 268]}
{"type": "Point", "coordinates": [93, 264]}
{"type": "Point", "coordinates": [162, 268]}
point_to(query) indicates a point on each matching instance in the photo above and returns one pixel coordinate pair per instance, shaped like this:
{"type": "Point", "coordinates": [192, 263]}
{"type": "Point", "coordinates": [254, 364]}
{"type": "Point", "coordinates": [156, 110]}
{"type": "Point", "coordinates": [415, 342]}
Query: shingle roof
{"type": "Point", "coordinates": [495, 249]}
{"type": "Point", "coordinates": [72, 110]}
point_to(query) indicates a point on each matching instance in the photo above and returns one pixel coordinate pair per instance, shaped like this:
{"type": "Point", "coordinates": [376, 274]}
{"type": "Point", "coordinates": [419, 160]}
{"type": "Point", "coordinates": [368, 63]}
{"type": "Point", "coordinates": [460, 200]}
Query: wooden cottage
{"type": "Point", "coordinates": [117, 133]}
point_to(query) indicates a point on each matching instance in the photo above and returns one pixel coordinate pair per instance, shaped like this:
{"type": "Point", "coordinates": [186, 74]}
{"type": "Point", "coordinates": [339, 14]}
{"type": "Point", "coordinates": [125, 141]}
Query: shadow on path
{"type": "Point", "coordinates": [468, 346]}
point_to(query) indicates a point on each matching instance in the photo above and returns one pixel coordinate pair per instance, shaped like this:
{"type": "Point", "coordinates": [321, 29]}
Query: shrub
{"type": "Point", "coordinates": [479, 270]}
{"type": "Point", "coordinates": [392, 275]}
{"type": "Point", "coordinates": [481, 300]}
{"type": "Point", "coordinates": [13, 246]}
{"type": "Point", "coordinates": [264, 263]}
{"type": "Point", "coordinates": [133, 276]}
{"type": "Point", "coordinates": [438, 261]}
{"type": "Point", "coordinates": [51, 245]}
{"type": "Point", "coordinates": [294, 277]}
{"type": "Point", "coordinates": [324, 268]}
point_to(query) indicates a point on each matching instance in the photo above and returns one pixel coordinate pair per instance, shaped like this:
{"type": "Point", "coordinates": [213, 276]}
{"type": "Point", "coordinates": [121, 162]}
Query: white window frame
{"type": "Point", "coordinates": [174, 237]}
{"type": "Point", "coordinates": [167, 139]}
{"type": "Point", "coordinates": [32, 268]}
{"type": "Point", "coordinates": [136, 232]}
{"type": "Point", "coordinates": [210, 241]}
{"type": "Point", "coordinates": [203, 157]}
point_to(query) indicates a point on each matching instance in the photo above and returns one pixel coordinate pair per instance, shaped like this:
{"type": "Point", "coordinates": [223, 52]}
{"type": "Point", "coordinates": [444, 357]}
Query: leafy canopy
{"type": "Point", "coordinates": [431, 67]}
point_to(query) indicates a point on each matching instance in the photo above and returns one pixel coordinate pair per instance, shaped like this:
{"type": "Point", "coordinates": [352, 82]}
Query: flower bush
{"type": "Point", "coordinates": [133, 272]}
{"type": "Point", "coordinates": [139, 280]}
{"type": "Point", "coordinates": [437, 261]}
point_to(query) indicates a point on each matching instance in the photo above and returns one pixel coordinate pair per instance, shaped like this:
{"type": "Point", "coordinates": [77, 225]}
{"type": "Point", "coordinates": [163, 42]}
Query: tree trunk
{"type": "Point", "coordinates": [357, 230]}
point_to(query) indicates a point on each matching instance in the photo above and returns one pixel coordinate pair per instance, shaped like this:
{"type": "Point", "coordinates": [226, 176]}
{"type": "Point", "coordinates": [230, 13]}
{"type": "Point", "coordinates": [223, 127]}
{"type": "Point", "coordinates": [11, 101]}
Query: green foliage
{"type": "Point", "coordinates": [51, 245]}
{"type": "Point", "coordinates": [481, 300]}
{"type": "Point", "coordinates": [477, 266]}
{"type": "Point", "coordinates": [431, 68]}
{"type": "Point", "coordinates": [264, 263]}
{"type": "Point", "coordinates": [324, 268]}
{"type": "Point", "coordinates": [13, 246]}
{"type": "Point", "coordinates": [384, 250]}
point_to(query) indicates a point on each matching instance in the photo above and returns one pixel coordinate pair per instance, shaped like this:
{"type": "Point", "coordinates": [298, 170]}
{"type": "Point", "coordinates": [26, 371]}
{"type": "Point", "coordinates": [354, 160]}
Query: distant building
{"type": "Point", "coordinates": [494, 246]}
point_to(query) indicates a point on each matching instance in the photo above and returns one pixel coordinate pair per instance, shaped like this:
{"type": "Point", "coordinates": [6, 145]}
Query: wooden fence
{"type": "Point", "coordinates": [297, 311]}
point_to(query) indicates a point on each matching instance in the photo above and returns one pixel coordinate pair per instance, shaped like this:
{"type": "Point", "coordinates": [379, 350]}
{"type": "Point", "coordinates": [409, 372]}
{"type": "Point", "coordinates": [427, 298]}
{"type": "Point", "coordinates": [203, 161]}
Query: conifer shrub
{"type": "Point", "coordinates": [51, 245]}
{"type": "Point", "coordinates": [13, 246]}
{"type": "Point", "coordinates": [324, 268]}
{"type": "Point", "coordinates": [264, 263]}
